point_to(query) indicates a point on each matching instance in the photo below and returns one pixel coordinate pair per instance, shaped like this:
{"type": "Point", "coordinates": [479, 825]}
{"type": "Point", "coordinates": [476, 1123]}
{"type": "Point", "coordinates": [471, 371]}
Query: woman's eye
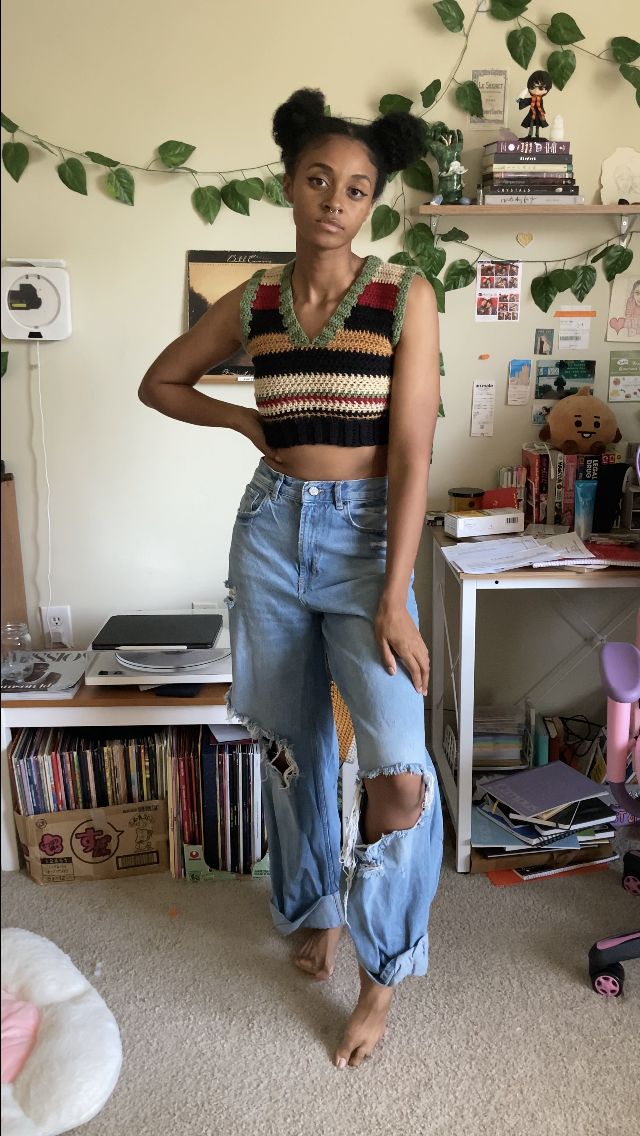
{"type": "Point", "coordinates": [355, 192]}
{"type": "Point", "coordinates": [317, 181]}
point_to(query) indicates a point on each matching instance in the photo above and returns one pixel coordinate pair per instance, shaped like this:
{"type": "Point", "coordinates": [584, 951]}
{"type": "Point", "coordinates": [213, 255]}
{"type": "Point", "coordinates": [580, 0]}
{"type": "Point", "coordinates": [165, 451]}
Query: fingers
{"type": "Point", "coordinates": [415, 660]}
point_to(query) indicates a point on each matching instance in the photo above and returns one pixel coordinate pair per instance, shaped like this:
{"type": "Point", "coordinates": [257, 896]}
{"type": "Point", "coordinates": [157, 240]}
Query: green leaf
{"type": "Point", "coordinates": [73, 174]}
{"type": "Point", "coordinates": [458, 275]}
{"type": "Point", "coordinates": [15, 159]}
{"type": "Point", "coordinates": [584, 281]}
{"type": "Point", "coordinates": [469, 99]}
{"type": "Point", "coordinates": [419, 239]}
{"type": "Point", "coordinates": [4, 359]}
{"type": "Point", "coordinates": [543, 291]}
{"type": "Point", "coordinates": [45, 146]}
{"type": "Point", "coordinates": [174, 154]}
{"type": "Point", "coordinates": [454, 235]}
{"type": "Point", "coordinates": [561, 65]}
{"type": "Point", "coordinates": [235, 198]}
{"type": "Point", "coordinates": [274, 192]}
{"type": "Point", "coordinates": [432, 261]}
{"type": "Point", "coordinates": [100, 159]}
{"type": "Point", "coordinates": [599, 255]}
{"type": "Point", "coordinates": [402, 258]}
{"type": "Point", "coordinates": [438, 288]}
{"type": "Point", "coordinates": [624, 50]}
{"type": "Point", "coordinates": [521, 43]}
{"type": "Point", "coordinates": [327, 111]}
{"type": "Point", "coordinates": [507, 9]}
{"type": "Point", "coordinates": [563, 29]}
{"type": "Point", "coordinates": [383, 221]}
{"type": "Point", "coordinates": [631, 74]}
{"type": "Point", "coordinates": [252, 187]}
{"type": "Point", "coordinates": [206, 201]}
{"type": "Point", "coordinates": [7, 124]}
{"type": "Point", "coordinates": [120, 185]}
{"type": "Point", "coordinates": [616, 259]}
{"type": "Point", "coordinates": [389, 103]}
{"type": "Point", "coordinates": [562, 278]}
{"type": "Point", "coordinates": [418, 176]}
{"type": "Point", "coordinates": [430, 93]}
{"type": "Point", "coordinates": [451, 14]}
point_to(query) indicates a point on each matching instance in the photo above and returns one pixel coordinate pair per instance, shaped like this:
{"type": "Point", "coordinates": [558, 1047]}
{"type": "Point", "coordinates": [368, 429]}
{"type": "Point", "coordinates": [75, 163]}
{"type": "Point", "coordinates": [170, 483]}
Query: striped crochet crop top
{"type": "Point", "coordinates": [336, 388]}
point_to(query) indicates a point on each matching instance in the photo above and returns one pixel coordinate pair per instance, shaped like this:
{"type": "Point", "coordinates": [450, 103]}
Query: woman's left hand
{"type": "Point", "coordinates": [398, 638]}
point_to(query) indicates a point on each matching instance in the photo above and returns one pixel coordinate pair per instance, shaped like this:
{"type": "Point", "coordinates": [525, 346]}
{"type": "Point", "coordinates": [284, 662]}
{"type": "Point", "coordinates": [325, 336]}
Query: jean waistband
{"type": "Point", "coordinates": [318, 492]}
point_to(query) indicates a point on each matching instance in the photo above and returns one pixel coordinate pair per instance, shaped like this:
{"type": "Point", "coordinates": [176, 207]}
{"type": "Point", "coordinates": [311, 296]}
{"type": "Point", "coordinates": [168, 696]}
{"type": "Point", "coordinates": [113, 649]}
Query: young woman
{"type": "Point", "coordinates": [345, 352]}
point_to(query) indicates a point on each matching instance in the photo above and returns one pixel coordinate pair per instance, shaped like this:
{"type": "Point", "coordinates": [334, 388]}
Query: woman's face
{"type": "Point", "coordinates": [334, 173]}
{"type": "Point", "coordinates": [636, 292]}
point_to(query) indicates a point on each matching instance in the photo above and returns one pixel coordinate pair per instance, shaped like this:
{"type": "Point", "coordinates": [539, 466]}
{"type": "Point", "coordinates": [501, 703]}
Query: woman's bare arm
{"type": "Point", "coordinates": [169, 384]}
{"type": "Point", "coordinates": [414, 410]}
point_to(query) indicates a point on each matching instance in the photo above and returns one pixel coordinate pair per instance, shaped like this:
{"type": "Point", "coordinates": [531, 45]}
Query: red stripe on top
{"type": "Point", "coordinates": [379, 295]}
{"type": "Point", "coordinates": [326, 399]}
{"type": "Point", "coordinates": [267, 297]}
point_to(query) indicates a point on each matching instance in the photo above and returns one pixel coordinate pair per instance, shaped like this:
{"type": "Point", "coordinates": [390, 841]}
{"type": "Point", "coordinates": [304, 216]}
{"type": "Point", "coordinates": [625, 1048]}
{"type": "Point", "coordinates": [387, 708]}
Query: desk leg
{"type": "Point", "coordinates": [466, 695]}
{"type": "Point", "coordinates": [438, 662]}
{"type": "Point", "coordinates": [9, 844]}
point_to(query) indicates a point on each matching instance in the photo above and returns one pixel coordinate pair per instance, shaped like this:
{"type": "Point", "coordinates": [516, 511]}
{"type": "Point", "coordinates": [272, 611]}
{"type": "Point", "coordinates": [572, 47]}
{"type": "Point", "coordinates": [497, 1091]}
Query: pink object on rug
{"type": "Point", "coordinates": [20, 1021]}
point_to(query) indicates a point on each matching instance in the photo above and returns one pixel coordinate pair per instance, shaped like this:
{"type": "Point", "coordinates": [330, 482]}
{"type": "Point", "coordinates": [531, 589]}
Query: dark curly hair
{"type": "Point", "coordinates": [393, 141]}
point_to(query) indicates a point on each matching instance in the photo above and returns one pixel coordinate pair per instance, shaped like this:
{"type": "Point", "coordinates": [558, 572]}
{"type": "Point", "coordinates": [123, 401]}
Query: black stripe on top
{"type": "Point", "coordinates": [323, 361]}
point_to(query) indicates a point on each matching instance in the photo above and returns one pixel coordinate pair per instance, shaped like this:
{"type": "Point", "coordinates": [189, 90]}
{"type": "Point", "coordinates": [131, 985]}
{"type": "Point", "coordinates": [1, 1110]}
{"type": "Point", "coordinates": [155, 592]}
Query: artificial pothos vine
{"type": "Point", "coordinates": [420, 247]}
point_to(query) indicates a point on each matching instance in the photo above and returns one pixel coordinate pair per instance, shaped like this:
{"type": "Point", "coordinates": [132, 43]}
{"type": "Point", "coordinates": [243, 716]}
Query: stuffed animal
{"type": "Point", "coordinates": [581, 424]}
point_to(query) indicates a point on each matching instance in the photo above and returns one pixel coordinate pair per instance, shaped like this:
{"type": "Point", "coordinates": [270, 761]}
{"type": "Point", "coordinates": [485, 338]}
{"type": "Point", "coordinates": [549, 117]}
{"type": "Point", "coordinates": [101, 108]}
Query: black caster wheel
{"type": "Point", "coordinates": [610, 982]}
{"type": "Point", "coordinates": [631, 873]}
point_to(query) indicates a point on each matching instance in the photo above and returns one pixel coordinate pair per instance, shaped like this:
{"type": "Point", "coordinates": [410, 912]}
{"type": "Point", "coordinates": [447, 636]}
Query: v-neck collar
{"type": "Point", "coordinates": [297, 334]}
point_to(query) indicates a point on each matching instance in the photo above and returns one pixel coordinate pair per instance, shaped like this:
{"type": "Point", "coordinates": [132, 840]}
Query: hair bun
{"type": "Point", "coordinates": [401, 139]}
{"type": "Point", "coordinates": [302, 109]}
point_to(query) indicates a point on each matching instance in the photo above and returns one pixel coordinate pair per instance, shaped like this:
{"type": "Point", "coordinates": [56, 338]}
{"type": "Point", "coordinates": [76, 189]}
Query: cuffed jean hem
{"type": "Point", "coordinates": [412, 963]}
{"type": "Point", "coordinates": [326, 912]}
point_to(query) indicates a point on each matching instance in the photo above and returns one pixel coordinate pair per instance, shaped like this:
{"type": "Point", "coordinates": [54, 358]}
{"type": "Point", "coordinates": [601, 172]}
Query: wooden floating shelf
{"type": "Point", "coordinates": [479, 210]}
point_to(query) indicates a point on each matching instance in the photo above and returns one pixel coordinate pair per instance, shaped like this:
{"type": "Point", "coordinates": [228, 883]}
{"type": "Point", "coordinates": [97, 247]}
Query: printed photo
{"type": "Point", "coordinates": [543, 341]}
{"type": "Point", "coordinates": [561, 377]}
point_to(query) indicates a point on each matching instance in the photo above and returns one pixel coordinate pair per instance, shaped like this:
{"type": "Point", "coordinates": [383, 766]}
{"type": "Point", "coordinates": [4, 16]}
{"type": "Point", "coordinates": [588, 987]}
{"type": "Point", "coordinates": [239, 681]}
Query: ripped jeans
{"type": "Point", "coordinates": [306, 573]}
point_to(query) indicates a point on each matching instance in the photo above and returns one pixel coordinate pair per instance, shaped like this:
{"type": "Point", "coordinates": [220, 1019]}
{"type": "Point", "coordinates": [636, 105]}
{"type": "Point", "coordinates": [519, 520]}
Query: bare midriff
{"type": "Point", "coordinates": [330, 463]}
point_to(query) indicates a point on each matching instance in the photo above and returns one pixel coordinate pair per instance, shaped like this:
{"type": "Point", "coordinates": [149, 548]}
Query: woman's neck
{"type": "Point", "coordinates": [323, 276]}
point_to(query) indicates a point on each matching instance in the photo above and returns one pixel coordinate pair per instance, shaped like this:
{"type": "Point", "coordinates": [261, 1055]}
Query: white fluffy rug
{"type": "Point", "coordinates": [75, 1061]}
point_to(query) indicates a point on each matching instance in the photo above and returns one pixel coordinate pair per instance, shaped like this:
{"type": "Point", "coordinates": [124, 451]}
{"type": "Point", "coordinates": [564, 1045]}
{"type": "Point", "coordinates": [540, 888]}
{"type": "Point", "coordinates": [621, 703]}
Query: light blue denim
{"type": "Point", "coordinates": [306, 572]}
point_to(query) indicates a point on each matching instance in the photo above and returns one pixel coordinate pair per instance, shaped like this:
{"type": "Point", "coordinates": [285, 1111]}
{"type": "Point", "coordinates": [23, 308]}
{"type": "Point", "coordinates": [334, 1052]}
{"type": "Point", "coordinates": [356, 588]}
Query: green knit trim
{"type": "Point", "coordinates": [408, 275]}
{"type": "Point", "coordinates": [297, 335]}
{"type": "Point", "coordinates": [246, 303]}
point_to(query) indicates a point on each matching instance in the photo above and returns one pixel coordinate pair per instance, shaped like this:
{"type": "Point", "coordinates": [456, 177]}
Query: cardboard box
{"type": "Point", "coordinates": [483, 522]}
{"type": "Point", "coordinates": [95, 844]}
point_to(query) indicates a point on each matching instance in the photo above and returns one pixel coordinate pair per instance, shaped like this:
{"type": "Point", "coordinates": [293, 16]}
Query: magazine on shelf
{"type": "Point", "coordinates": [55, 675]}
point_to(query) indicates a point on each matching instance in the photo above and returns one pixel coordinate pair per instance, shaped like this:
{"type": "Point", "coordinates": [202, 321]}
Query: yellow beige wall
{"type": "Point", "coordinates": [142, 507]}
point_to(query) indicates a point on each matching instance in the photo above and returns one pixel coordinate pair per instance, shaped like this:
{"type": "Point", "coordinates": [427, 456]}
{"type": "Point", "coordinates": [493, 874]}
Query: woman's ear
{"type": "Point", "coordinates": [287, 188]}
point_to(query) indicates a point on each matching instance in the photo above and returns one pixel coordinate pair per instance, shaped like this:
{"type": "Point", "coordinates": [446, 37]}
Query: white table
{"type": "Point", "coordinates": [458, 793]}
{"type": "Point", "coordinates": [116, 706]}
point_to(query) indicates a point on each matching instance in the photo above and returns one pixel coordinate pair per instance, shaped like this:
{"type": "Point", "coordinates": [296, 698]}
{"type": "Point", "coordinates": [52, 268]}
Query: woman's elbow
{"type": "Point", "coordinates": [145, 393]}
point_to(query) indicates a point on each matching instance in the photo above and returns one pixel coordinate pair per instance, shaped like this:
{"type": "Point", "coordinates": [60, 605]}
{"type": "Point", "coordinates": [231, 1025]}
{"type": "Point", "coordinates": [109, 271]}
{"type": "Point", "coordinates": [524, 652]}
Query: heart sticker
{"type": "Point", "coordinates": [616, 324]}
{"type": "Point", "coordinates": [524, 239]}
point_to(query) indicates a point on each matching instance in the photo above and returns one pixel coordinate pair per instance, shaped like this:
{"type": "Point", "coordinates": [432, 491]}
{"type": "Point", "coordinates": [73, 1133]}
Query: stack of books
{"type": "Point", "coordinates": [497, 737]}
{"type": "Point", "coordinates": [547, 817]}
{"type": "Point", "coordinates": [529, 172]}
{"type": "Point", "coordinates": [550, 481]}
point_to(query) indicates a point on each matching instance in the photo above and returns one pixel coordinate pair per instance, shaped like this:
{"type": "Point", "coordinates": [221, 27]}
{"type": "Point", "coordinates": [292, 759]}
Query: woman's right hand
{"type": "Point", "coordinates": [251, 426]}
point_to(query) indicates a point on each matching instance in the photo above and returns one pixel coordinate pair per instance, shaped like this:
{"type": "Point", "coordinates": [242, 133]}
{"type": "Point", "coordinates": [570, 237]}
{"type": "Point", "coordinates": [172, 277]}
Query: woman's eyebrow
{"type": "Point", "coordinates": [329, 170]}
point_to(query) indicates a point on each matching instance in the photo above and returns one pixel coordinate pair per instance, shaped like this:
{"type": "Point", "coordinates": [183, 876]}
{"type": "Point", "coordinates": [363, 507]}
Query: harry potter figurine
{"type": "Point", "coordinates": [539, 84]}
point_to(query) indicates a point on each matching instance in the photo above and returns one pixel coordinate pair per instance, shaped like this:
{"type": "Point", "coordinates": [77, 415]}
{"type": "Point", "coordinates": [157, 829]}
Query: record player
{"type": "Point", "coordinates": [156, 649]}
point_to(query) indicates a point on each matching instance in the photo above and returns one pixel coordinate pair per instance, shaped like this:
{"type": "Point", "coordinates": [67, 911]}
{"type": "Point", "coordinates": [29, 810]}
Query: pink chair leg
{"type": "Point", "coordinates": [618, 740]}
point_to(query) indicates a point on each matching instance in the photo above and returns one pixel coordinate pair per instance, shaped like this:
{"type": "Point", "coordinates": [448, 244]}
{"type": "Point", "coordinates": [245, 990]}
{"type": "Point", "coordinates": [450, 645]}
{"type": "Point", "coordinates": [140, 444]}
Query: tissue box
{"type": "Point", "coordinates": [484, 522]}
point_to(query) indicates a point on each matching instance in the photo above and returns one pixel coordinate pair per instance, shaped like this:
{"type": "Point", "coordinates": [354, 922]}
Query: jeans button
{"type": "Point", "coordinates": [313, 490]}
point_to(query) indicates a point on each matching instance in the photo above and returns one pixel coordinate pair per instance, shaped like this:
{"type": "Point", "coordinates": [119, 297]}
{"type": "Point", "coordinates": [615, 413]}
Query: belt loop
{"type": "Point", "coordinates": [338, 494]}
{"type": "Point", "coordinates": [276, 487]}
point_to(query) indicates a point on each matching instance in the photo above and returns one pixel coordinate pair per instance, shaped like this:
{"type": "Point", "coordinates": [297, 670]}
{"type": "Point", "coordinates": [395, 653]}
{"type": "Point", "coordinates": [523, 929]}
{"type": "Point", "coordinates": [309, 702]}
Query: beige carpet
{"type": "Point", "coordinates": [222, 1035]}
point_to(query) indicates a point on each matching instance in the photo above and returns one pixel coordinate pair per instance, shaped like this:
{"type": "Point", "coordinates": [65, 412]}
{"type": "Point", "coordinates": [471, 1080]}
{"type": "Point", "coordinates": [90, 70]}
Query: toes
{"type": "Point", "coordinates": [358, 1056]}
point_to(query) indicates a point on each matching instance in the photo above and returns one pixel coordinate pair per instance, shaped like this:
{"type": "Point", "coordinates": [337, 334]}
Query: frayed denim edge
{"type": "Point", "coordinates": [265, 738]}
{"type": "Point", "coordinates": [352, 833]}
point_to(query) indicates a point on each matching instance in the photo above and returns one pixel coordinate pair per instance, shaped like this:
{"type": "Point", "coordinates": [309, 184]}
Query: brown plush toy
{"type": "Point", "coordinates": [581, 424]}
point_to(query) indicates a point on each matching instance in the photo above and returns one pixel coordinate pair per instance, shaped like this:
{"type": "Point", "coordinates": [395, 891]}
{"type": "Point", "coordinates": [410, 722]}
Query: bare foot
{"type": "Point", "coordinates": [367, 1024]}
{"type": "Point", "coordinates": [317, 955]}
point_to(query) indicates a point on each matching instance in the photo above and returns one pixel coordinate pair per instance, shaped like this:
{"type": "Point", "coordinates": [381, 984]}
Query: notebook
{"type": "Point", "coordinates": [604, 556]}
{"type": "Point", "coordinates": [543, 788]}
{"type": "Point", "coordinates": [187, 631]}
{"type": "Point", "coordinates": [488, 832]}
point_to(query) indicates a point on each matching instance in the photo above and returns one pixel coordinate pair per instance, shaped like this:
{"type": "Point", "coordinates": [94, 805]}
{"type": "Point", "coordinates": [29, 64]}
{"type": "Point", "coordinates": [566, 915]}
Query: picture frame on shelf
{"type": "Point", "coordinates": [210, 275]}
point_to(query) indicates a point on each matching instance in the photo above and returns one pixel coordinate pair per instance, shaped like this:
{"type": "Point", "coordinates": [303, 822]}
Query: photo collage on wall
{"type": "Point", "coordinates": [498, 290]}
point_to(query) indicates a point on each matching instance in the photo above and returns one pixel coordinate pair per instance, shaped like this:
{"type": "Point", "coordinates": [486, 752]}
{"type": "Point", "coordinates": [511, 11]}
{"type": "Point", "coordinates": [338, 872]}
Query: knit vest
{"type": "Point", "coordinates": [335, 388]}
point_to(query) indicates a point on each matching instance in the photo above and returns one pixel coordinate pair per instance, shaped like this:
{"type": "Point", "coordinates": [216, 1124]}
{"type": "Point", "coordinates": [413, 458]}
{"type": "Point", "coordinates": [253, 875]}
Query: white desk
{"type": "Point", "coordinates": [458, 794]}
{"type": "Point", "coordinates": [116, 706]}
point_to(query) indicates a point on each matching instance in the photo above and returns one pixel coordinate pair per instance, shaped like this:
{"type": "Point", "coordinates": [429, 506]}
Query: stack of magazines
{"type": "Point", "coordinates": [53, 675]}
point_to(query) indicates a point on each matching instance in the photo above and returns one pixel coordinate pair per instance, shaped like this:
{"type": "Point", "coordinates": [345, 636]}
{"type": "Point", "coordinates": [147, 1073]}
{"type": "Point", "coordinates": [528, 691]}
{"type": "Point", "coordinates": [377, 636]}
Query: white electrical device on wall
{"type": "Point", "coordinates": [36, 299]}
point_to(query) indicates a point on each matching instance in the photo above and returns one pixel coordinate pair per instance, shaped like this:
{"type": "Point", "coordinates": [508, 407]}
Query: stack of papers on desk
{"type": "Point", "coordinates": [487, 556]}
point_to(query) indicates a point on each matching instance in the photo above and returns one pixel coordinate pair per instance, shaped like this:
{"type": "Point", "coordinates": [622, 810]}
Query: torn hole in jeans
{"type": "Point", "coordinates": [271, 746]}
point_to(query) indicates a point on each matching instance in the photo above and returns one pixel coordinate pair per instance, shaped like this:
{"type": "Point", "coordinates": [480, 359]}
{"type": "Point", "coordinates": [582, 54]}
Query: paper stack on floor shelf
{"type": "Point", "coordinates": [550, 816]}
{"type": "Point", "coordinates": [497, 737]}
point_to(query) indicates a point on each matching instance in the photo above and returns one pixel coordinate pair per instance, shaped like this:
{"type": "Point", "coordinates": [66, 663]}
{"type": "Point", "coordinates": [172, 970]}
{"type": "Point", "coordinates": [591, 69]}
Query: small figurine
{"type": "Point", "coordinates": [539, 84]}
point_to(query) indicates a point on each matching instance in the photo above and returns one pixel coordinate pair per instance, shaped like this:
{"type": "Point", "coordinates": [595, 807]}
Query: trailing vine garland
{"type": "Point", "coordinates": [420, 247]}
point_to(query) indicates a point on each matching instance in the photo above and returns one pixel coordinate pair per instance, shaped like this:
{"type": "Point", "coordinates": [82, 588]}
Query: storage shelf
{"type": "Point", "coordinates": [506, 210]}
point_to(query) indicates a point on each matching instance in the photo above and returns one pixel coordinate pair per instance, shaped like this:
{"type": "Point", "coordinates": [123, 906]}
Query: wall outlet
{"type": "Point", "coordinates": [56, 624]}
